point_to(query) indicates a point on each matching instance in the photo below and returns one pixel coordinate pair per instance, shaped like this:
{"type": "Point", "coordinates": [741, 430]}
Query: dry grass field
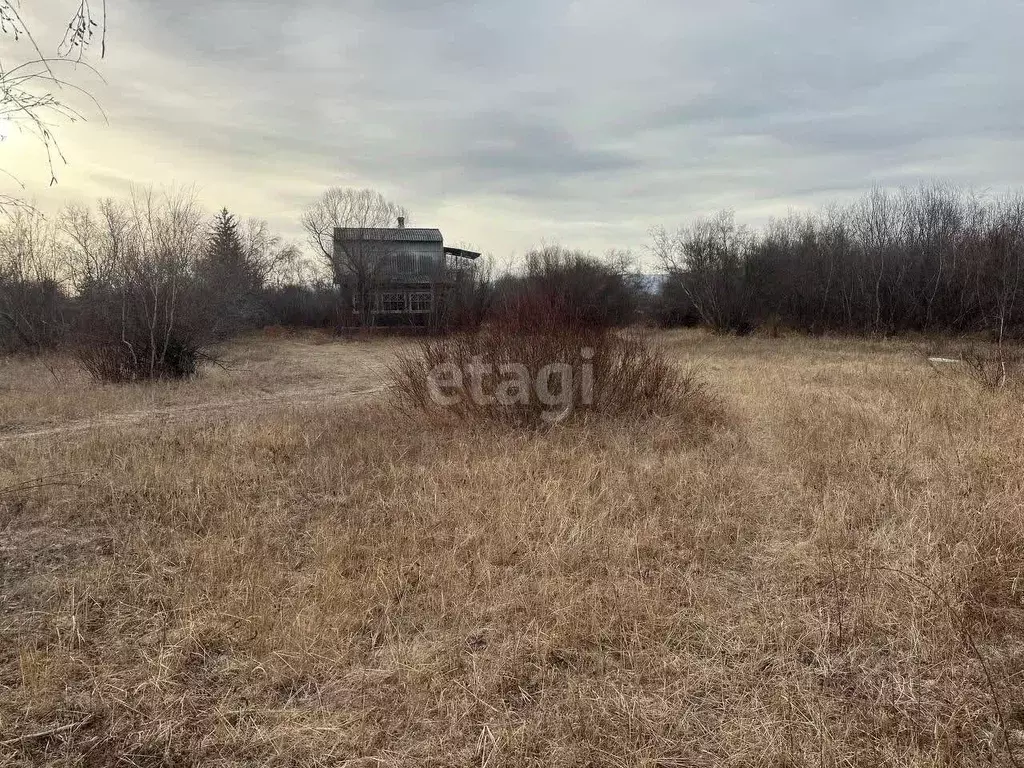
{"type": "Point", "coordinates": [270, 566]}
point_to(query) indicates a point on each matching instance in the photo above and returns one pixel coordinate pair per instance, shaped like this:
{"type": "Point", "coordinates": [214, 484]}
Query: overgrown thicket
{"type": "Point", "coordinates": [592, 291]}
{"type": "Point", "coordinates": [539, 360]}
{"type": "Point", "coordinates": [472, 298]}
{"type": "Point", "coordinates": [136, 289]}
{"type": "Point", "coordinates": [33, 301]}
{"type": "Point", "coordinates": [304, 305]}
{"type": "Point", "coordinates": [933, 259]}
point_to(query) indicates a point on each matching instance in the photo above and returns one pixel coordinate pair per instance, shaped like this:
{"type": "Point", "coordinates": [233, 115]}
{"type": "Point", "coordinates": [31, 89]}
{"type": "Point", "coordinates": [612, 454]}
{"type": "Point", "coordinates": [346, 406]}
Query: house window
{"type": "Point", "coordinates": [391, 302]}
{"type": "Point", "coordinates": [420, 301]}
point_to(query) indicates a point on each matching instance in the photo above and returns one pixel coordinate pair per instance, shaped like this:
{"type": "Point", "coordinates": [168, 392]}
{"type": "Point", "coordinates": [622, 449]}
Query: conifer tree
{"type": "Point", "coordinates": [228, 275]}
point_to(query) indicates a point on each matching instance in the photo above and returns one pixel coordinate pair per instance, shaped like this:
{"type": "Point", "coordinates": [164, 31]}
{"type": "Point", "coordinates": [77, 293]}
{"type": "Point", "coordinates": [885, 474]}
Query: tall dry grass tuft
{"type": "Point", "coordinates": [536, 363]}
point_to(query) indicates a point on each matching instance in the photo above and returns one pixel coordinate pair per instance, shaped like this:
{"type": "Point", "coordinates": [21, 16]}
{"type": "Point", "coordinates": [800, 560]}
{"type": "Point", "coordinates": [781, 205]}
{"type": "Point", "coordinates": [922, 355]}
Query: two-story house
{"type": "Point", "coordinates": [397, 276]}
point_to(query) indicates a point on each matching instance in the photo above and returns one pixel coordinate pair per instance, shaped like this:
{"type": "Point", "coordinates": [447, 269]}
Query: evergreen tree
{"type": "Point", "coordinates": [224, 262]}
{"type": "Point", "coordinates": [228, 274]}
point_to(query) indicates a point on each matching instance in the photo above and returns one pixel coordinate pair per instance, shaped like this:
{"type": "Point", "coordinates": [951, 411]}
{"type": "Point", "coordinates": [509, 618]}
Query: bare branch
{"type": "Point", "coordinates": [31, 93]}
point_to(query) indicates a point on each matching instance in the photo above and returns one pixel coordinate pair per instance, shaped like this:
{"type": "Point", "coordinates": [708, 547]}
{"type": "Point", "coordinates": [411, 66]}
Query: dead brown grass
{"type": "Point", "coordinates": [47, 392]}
{"type": "Point", "coordinates": [830, 577]}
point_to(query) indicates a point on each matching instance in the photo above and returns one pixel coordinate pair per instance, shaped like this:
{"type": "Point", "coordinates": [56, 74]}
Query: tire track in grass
{"type": "Point", "coordinates": [173, 414]}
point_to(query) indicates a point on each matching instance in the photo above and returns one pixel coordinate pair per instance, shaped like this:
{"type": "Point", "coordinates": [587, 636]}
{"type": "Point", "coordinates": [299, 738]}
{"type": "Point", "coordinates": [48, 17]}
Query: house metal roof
{"type": "Point", "coordinates": [462, 253]}
{"type": "Point", "coordinates": [389, 234]}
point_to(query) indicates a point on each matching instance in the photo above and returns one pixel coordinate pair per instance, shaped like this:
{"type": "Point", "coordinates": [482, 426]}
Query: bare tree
{"type": "Point", "coordinates": [33, 92]}
{"type": "Point", "coordinates": [32, 296]}
{"type": "Point", "coordinates": [355, 264]}
{"type": "Point", "coordinates": [272, 259]}
{"type": "Point", "coordinates": [94, 241]}
{"type": "Point", "coordinates": [708, 261]}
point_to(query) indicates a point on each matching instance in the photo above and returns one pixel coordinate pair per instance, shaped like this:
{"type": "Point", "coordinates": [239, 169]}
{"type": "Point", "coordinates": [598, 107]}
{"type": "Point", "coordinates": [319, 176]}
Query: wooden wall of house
{"type": "Point", "coordinates": [401, 260]}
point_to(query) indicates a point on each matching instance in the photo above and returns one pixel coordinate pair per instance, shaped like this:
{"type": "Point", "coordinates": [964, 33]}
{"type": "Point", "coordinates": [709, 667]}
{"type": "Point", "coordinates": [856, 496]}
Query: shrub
{"type": "Point", "coordinates": [145, 314]}
{"type": "Point", "coordinates": [300, 306]}
{"type": "Point", "coordinates": [32, 315]}
{"type": "Point", "coordinates": [131, 334]}
{"type": "Point", "coordinates": [536, 364]}
{"type": "Point", "coordinates": [114, 362]}
{"type": "Point", "coordinates": [994, 366]}
{"type": "Point", "coordinates": [592, 291]}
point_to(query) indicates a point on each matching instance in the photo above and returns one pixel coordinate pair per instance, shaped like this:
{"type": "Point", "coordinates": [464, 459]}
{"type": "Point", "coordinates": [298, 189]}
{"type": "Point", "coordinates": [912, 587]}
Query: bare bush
{"type": "Point", "coordinates": [141, 314]}
{"type": "Point", "coordinates": [587, 289]}
{"type": "Point", "coordinates": [994, 366]}
{"type": "Point", "coordinates": [534, 363]}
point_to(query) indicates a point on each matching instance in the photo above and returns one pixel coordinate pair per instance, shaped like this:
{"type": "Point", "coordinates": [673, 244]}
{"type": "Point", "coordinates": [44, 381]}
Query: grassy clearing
{"type": "Point", "coordinates": [53, 390]}
{"type": "Point", "coordinates": [830, 576]}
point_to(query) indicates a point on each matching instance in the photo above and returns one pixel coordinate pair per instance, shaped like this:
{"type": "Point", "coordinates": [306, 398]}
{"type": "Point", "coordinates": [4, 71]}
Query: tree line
{"type": "Point", "coordinates": [932, 259]}
{"type": "Point", "coordinates": [138, 288]}
{"type": "Point", "coordinates": [143, 287]}
{"type": "Point", "coordinates": [935, 259]}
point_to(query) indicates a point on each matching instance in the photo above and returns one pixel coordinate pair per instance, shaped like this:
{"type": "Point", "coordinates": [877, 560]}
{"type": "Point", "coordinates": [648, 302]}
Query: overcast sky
{"type": "Point", "coordinates": [509, 122]}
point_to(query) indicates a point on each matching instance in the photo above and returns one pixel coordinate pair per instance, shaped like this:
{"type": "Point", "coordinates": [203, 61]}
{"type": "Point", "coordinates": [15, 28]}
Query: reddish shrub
{"type": "Point", "coordinates": [532, 364]}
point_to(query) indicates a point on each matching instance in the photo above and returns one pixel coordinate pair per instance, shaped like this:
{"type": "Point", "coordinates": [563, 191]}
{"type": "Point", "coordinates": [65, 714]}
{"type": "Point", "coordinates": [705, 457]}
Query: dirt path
{"type": "Point", "coordinates": [177, 413]}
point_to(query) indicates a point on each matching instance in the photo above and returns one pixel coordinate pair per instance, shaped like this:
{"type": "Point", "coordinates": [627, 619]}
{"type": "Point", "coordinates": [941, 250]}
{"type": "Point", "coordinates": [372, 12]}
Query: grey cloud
{"type": "Point", "coordinates": [568, 118]}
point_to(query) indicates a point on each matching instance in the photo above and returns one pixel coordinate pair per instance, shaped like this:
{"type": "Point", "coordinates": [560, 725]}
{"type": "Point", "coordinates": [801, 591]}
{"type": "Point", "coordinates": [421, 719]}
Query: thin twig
{"type": "Point", "coordinates": [48, 732]}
